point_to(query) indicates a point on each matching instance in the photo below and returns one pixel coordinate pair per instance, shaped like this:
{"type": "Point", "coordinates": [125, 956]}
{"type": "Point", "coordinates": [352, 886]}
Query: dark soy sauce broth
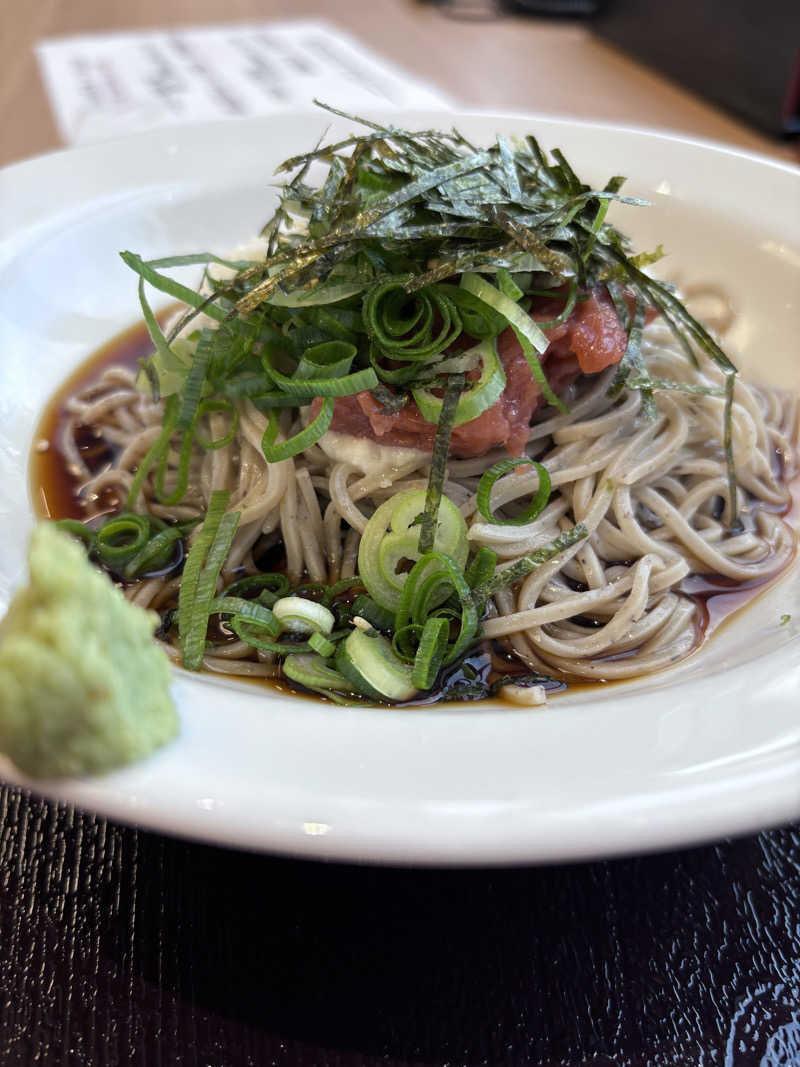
{"type": "Point", "coordinates": [54, 485]}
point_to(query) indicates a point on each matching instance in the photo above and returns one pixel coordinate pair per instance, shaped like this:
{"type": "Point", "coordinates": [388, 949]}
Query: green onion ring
{"type": "Point", "coordinates": [420, 590]}
{"type": "Point", "coordinates": [312, 672]}
{"type": "Point", "coordinates": [333, 358]}
{"type": "Point", "coordinates": [274, 453]}
{"type": "Point", "coordinates": [271, 586]}
{"type": "Point", "coordinates": [476, 397]}
{"type": "Point", "coordinates": [154, 453]}
{"type": "Point", "coordinates": [431, 652]}
{"type": "Point", "coordinates": [122, 537]}
{"type": "Point", "coordinates": [496, 471]}
{"type": "Point", "coordinates": [569, 307]}
{"type": "Point", "coordinates": [321, 645]}
{"type": "Point", "coordinates": [244, 629]}
{"type": "Point", "coordinates": [218, 404]}
{"type": "Point", "coordinates": [156, 554]}
{"type": "Point", "coordinates": [78, 529]}
{"type": "Point", "coordinates": [528, 333]}
{"type": "Point", "coordinates": [200, 573]}
{"type": "Point", "coordinates": [378, 617]}
{"type": "Point", "coordinates": [340, 587]}
{"type": "Point", "coordinates": [405, 641]}
{"type": "Point", "coordinates": [346, 385]}
{"type": "Point", "coordinates": [409, 337]}
{"type": "Point", "coordinates": [251, 610]}
{"type": "Point", "coordinates": [482, 567]}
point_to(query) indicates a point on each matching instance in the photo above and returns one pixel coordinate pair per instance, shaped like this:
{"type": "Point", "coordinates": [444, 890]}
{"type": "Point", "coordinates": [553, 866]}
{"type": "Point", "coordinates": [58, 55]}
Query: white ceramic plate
{"type": "Point", "coordinates": [707, 749]}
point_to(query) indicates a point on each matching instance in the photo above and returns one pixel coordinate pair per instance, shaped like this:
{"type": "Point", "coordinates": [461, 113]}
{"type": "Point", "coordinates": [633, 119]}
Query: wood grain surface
{"type": "Point", "coordinates": [125, 948]}
{"type": "Point", "coordinates": [120, 947]}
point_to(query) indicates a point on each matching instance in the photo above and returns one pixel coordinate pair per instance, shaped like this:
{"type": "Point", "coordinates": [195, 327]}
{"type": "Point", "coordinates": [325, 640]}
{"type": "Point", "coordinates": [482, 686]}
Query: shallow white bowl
{"type": "Point", "coordinates": [707, 749]}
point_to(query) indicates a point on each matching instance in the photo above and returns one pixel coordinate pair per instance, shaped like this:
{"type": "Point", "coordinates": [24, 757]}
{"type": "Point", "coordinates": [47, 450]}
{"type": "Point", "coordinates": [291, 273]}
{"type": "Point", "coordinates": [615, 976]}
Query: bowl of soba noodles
{"type": "Point", "coordinates": [455, 459]}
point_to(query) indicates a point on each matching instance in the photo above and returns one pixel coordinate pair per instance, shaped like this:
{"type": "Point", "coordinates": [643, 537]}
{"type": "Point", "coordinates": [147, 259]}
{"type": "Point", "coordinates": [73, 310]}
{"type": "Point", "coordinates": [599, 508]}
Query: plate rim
{"type": "Point", "coordinates": [786, 777]}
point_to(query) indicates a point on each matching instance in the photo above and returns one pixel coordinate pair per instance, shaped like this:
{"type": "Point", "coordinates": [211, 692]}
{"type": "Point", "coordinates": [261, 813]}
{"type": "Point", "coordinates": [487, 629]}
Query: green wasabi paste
{"type": "Point", "coordinates": [84, 688]}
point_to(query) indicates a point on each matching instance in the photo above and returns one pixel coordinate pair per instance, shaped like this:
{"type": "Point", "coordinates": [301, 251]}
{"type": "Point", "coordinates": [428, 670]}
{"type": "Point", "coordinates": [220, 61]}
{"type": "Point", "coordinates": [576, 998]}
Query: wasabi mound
{"type": "Point", "coordinates": [83, 686]}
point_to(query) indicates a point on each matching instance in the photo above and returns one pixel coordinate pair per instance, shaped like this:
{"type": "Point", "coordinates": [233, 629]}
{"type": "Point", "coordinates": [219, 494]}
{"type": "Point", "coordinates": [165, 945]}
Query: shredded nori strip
{"type": "Point", "coordinates": [429, 205]}
{"type": "Point", "coordinates": [438, 472]}
{"type": "Point", "coordinates": [523, 567]}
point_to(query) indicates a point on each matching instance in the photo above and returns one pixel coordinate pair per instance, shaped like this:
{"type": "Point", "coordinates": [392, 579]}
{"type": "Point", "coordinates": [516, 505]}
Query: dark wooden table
{"type": "Point", "coordinates": [121, 947]}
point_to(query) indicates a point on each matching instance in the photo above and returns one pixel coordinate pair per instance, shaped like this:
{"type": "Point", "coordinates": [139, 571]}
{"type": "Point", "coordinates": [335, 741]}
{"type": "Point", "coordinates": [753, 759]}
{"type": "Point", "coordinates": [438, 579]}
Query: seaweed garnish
{"type": "Point", "coordinates": [431, 206]}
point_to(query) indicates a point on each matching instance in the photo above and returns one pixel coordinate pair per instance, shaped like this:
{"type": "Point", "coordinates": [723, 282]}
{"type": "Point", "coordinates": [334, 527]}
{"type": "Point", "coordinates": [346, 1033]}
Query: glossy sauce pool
{"type": "Point", "coordinates": [54, 491]}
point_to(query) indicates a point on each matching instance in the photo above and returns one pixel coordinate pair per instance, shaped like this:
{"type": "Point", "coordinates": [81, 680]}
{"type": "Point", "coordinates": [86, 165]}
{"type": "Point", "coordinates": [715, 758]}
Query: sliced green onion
{"type": "Point", "coordinates": [270, 587]}
{"type": "Point", "coordinates": [509, 309]}
{"type": "Point", "coordinates": [401, 375]}
{"type": "Point", "coordinates": [365, 607]}
{"type": "Point", "coordinates": [200, 574]}
{"type": "Point", "coordinates": [121, 538]}
{"type": "Point", "coordinates": [390, 537]}
{"type": "Point", "coordinates": [164, 370]}
{"type": "Point", "coordinates": [250, 385]}
{"type": "Point", "coordinates": [345, 385]}
{"type": "Point", "coordinates": [161, 369]}
{"type": "Point", "coordinates": [148, 273]}
{"type": "Point", "coordinates": [403, 326]}
{"type": "Point", "coordinates": [508, 287]}
{"type": "Point", "coordinates": [192, 391]}
{"type": "Point", "coordinates": [247, 611]}
{"type": "Point", "coordinates": [431, 580]}
{"type": "Point", "coordinates": [301, 616]}
{"type": "Point", "coordinates": [312, 672]}
{"type": "Point", "coordinates": [221, 404]}
{"type": "Point", "coordinates": [479, 320]}
{"type": "Point", "coordinates": [274, 453]}
{"type": "Point", "coordinates": [249, 630]}
{"type": "Point", "coordinates": [482, 567]}
{"type": "Point", "coordinates": [155, 554]}
{"type": "Point", "coordinates": [405, 641]}
{"type": "Point", "coordinates": [154, 453]}
{"type": "Point", "coordinates": [78, 529]}
{"type": "Point", "coordinates": [497, 470]}
{"type": "Point", "coordinates": [478, 396]}
{"type": "Point", "coordinates": [528, 333]}
{"type": "Point", "coordinates": [182, 481]}
{"type": "Point", "coordinates": [275, 398]}
{"type": "Point", "coordinates": [569, 307]}
{"type": "Point", "coordinates": [324, 293]}
{"type": "Point", "coordinates": [321, 645]}
{"type": "Point", "coordinates": [431, 652]}
{"type": "Point", "coordinates": [342, 586]}
{"type": "Point", "coordinates": [330, 359]}
{"type": "Point", "coordinates": [368, 661]}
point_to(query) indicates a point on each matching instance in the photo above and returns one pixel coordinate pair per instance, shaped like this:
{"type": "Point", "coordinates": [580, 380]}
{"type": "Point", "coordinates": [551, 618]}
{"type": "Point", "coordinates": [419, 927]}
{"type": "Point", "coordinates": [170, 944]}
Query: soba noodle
{"type": "Point", "coordinates": [426, 301]}
{"type": "Point", "coordinates": [652, 494]}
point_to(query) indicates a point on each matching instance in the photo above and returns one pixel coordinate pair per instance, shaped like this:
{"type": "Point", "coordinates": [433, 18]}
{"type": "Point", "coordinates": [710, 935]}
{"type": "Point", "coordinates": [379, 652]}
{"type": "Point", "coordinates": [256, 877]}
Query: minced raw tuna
{"type": "Point", "coordinates": [591, 340]}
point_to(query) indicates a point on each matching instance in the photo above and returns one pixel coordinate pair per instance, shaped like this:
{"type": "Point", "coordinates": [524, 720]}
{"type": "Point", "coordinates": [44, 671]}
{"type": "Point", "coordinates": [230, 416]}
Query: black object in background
{"type": "Point", "coordinates": [488, 9]}
{"type": "Point", "coordinates": [741, 54]}
{"type": "Point", "coordinates": [554, 7]}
